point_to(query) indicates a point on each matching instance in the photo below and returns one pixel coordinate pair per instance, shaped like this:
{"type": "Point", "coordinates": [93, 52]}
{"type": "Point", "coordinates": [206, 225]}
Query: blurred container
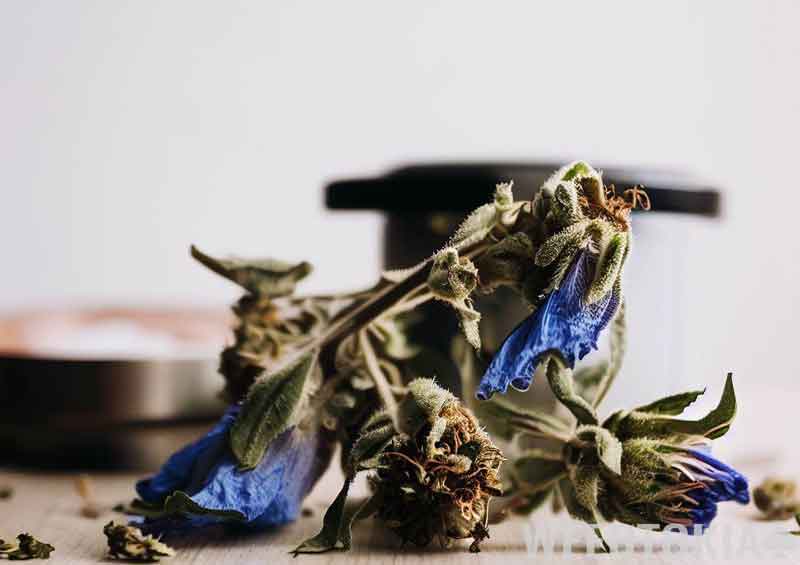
{"type": "Point", "coordinates": [425, 203]}
{"type": "Point", "coordinates": [107, 387]}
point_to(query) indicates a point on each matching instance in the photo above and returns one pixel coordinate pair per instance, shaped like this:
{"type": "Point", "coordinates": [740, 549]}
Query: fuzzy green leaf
{"type": "Point", "coordinates": [580, 498]}
{"type": "Point", "coordinates": [560, 378]}
{"type": "Point", "coordinates": [268, 409]}
{"type": "Point", "coordinates": [672, 405]}
{"type": "Point", "coordinates": [574, 507]}
{"type": "Point", "coordinates": [714, 425]}
{"type": "Point", "coordinates": [337, 525]}
{"type": "Point", "coordinates": [608, 268]}
{"type": "Point", "coordinates": [609, 448]}
{"type": "Point", "coordinates": [554, 246]}
{"type": "Point", "coordinates": [335, 533]}
{"type": "Point", "coordinates": [375, 436]}
{"type": "Point", "coordinates": [264, 277]}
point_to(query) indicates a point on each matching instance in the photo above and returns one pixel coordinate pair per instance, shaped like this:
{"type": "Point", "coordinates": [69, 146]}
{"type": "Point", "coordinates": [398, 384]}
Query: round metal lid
{"type": "Point", "coordinates": [428, 187]}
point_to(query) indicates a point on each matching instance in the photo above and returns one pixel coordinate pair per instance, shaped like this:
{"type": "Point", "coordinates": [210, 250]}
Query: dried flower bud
{"type": "Point", "coordinates": [127, 542]}
{"type": "Point", "coordinates": [647, 467]}
{"type": "Point", "coordinates": [436, 480]}
{"type": "Point", "coordinates": [452, 278]}
{"type": "Point", "coordinates": [777, 498]}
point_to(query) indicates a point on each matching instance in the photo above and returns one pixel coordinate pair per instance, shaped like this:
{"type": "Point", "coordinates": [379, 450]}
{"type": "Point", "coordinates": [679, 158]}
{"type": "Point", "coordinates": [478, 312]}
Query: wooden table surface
{"type": "Point", "coordinates": [48, 506]}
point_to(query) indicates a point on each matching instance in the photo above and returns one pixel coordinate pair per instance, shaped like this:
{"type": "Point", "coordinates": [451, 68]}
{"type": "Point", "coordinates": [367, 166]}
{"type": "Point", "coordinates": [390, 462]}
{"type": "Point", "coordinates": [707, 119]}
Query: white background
{"type": "Point", "coordinates": [129, 130]}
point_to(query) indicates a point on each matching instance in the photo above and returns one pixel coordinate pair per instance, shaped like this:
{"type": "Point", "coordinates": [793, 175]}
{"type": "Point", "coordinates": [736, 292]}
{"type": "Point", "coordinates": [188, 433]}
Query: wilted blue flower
{"type": "Point", "coordinates": [704, 482]}
{"type": "Point", "coordinates": [564, 322]}
{"type": "Point", "coordinates": [207, 472]}
{"type": "Point", "coordinates": [668, 484]}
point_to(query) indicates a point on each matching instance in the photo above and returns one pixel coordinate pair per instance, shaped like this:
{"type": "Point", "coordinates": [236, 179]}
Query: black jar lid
{"type": "Point", "coordinates": [459, 187]}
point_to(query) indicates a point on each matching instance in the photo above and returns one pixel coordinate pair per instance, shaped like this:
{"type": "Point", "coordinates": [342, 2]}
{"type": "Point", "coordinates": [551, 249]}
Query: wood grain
{"type": "Point", "coordinates": [48, 506]}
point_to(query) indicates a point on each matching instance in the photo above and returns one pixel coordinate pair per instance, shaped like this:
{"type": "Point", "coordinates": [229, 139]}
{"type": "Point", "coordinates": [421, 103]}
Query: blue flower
{"type": "Point", "coordinates": [564, 323]}
{"type": "Point", "coordinates": [713, 482]}
{"type": "Point", "coordinates": [690, 493]}
{"type": "Point", "coordinates": [207, 472]}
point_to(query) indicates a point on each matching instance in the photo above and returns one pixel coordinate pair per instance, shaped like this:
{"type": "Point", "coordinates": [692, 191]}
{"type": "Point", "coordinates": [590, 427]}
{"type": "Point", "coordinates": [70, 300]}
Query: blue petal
{"type": "Point", "coordinates": [191, 461]}
{"type": "Point", "coordinates": [273, 492]}
{"type": "Point", "coordinates": [725, 482]}
{"type": "Point", "coordinates": [564, 322]}
{"type": "Point", "coordinates": [703, 514]}
{"type": "Point", "coordinates": [207, 471]}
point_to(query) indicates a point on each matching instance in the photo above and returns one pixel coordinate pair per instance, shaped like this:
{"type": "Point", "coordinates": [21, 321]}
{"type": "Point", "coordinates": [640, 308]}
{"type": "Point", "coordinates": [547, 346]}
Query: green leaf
{"type": "Point", "coordinates": [505, 419]}
{"type": "Point", "coordinates": [268, 409]}
{"type": "Point", "coordinates": [264, 277]}
{"type": "Point", "coordinates": [560, 378]}
{"type": "Point", "coordinates": [335, 533]}
{"type": "Point", "coordinates": [609, 448]}
{"type": "Point", "coordinates": [714, 425]}
{"type": "Point", "coordinates": [554, 246]}
{"type": "Point", "coordinates": [375, 436]}
{"type": "Point", "coordinates": [337, 525]}
{"type": "Point", "coordinates": [672, 405]}
{"type": "Point", "coordinates": [609, 268]}
{"type": "Point", "coordinates": [580, 498]}
{"type": "Point", "coordinates": [574, 507]}
{"type": "Point", "coordinates": [376, 433]}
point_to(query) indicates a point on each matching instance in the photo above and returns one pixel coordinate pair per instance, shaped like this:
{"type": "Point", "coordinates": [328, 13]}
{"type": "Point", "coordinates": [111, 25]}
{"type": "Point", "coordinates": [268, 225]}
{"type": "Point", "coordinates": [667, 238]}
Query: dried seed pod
{"type": "Point", "coordinates": [777, 498]}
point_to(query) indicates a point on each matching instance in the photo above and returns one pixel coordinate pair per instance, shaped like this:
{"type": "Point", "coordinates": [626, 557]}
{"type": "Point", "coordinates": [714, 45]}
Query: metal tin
{"type": "Point", "coordinates": [70, 397]}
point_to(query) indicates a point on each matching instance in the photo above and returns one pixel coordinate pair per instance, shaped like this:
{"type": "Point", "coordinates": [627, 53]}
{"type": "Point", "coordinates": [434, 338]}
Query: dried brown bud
{"type": "Point", "coordinates": [436, 483]}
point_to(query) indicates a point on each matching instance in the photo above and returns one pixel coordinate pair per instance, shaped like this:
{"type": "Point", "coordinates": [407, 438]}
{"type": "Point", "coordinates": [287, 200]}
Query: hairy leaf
{"type": "Point", "coordinates": [268, 409]}
{"type": "Point", "coordinates": [713, 425]}
{"type": "Point", "coordinates": [609, 448]}
{"type": "Point", "coordinates": [375, 436]}
{"type": "Point", "coordinates": [609, 268]}
{"type": "Point", "coordinates": [672, 405]}
{"type": "Point", "coordinates": [337, 525]}
{"type": "Point", "coordinates": [264, 277]}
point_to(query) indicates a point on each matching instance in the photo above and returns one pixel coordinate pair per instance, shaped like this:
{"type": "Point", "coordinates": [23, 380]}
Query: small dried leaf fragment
{"type": "Point", "coordinates": [127, 542]}
{"type": "Point", "coordinates": [27, 547]}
